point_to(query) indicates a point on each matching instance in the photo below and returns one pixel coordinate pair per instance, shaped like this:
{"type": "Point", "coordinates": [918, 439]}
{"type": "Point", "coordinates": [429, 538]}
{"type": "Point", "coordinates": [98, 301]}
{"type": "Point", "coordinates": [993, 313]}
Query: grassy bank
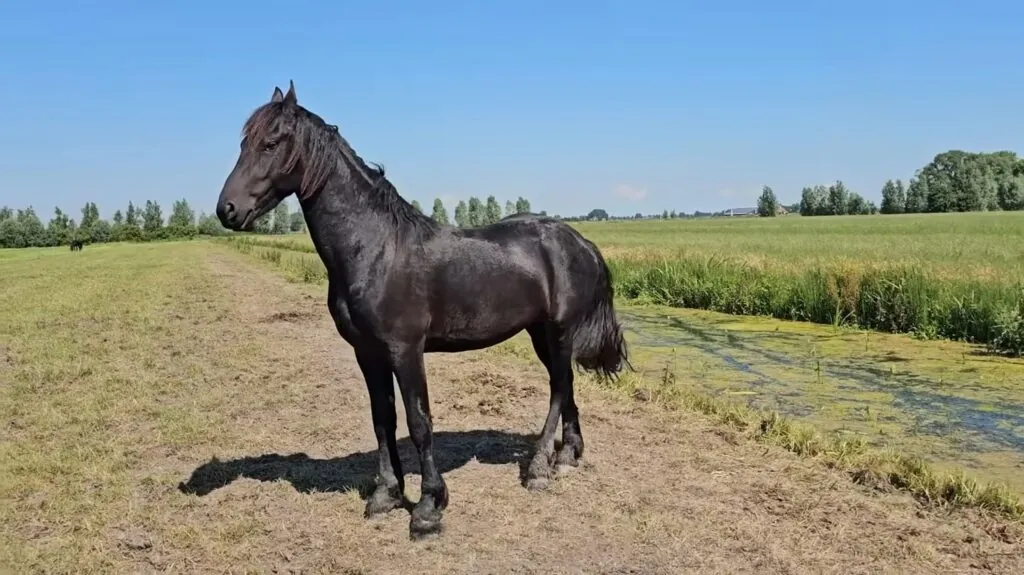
{"type": "Point", "coordinates": [895, 299]}
{"type": "Point", "coordinates": [884, 470]}
{"type": "Point", "coordinates": [881, 469]}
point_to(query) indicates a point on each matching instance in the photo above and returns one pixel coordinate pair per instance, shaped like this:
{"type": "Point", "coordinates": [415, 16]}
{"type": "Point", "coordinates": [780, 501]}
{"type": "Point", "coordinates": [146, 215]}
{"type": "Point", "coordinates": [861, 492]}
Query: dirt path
{"type": "Point", "coordinates": [657, 493]}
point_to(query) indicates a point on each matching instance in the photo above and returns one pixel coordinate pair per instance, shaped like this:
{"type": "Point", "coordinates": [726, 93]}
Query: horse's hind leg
{"type": "Point", "coordinates": [545, 343]}
{"type": "Point", "coordinates": [572, 437]}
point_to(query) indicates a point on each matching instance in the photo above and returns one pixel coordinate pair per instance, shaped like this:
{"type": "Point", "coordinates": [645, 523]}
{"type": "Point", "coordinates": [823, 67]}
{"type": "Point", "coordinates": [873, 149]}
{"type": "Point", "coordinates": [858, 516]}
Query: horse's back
{"type": "Point", "coordinates": [556, 254]}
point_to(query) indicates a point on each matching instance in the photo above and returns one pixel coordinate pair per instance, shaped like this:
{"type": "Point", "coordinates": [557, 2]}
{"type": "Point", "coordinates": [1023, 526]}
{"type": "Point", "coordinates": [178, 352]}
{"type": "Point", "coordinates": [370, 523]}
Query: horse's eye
{"type": "Point", "coordinates": [269, 146]}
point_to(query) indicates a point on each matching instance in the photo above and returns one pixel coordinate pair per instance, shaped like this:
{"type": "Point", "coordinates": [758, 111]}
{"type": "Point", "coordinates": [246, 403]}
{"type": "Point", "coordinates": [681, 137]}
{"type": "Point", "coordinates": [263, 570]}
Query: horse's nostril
{"type": "Point", "coordinates": [229, 208]}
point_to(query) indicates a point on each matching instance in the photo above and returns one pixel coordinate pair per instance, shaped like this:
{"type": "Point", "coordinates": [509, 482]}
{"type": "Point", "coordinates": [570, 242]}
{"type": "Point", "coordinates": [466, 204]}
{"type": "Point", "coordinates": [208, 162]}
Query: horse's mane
{"type": "Point", "coordinates": [321, 148]}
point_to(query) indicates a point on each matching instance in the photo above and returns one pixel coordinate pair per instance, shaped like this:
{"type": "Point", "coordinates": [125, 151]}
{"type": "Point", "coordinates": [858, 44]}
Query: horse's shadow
{"type": "Point", "coordinates": [452, 450]}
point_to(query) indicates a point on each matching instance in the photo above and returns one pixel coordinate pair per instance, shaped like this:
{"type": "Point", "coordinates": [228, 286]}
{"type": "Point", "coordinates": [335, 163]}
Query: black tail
{"type": "Point", "coordinates": [597, 340]}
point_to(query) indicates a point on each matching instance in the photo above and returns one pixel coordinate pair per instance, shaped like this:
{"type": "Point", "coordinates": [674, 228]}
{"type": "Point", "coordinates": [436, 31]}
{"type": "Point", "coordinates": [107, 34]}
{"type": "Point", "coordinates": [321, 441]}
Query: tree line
{"type": "Point", "coordinates": [833, 200]}
{"type": "Point", "coordinates": [467, 214]}
{"type": "Point", "coordinates": [958, 181]}
{"type": "Point", "coordinates": [475, 212]}
{"type": "Point", "coordinates": [24, 228]}
{"type": "Point", "coordinates": [954, 181]}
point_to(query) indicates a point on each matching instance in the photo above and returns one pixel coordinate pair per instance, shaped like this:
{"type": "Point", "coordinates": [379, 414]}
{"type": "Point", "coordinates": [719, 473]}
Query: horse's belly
{"type": "Point", "coordinates": [467, 341]}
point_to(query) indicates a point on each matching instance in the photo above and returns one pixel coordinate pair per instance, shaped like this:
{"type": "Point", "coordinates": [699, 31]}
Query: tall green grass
{"type": "Point", "coordinates": [897, 299]}
{"type": "Point", "coordinates": [298, 261]}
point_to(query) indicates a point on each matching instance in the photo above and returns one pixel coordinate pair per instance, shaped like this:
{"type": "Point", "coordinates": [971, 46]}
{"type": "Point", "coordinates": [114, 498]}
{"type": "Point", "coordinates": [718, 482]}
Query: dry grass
{"type": "Point", "coordinates": [128, 370]}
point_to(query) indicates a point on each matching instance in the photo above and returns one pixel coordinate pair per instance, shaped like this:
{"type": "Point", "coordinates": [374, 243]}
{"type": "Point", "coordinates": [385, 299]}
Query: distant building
{"type": "Point", "coordinates": [740, 212]}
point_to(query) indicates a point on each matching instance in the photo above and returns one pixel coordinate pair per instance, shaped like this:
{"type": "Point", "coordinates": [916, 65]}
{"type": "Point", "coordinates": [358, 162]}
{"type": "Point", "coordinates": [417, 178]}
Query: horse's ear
{"type": "Point", "coordinates": [290, 98]}
{"type": "Point", "coordinates": [277, 96]}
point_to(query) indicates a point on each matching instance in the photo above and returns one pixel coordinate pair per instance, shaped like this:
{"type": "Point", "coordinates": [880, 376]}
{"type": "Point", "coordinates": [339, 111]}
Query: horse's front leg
{"type": "Point", "coordinates": [390, 481]}
{"type": "Point", "coordinates": [412, 381]}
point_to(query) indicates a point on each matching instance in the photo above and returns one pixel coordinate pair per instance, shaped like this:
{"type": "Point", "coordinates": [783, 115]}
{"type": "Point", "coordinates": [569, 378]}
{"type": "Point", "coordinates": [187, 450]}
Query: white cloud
{"type": "Point", "coordinates": [630, 192]}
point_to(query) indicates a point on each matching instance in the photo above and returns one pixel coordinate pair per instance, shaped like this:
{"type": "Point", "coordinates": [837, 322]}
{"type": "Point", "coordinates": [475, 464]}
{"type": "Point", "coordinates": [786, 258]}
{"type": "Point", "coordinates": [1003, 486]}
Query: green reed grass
{"type": "Point", "coordinates": [897, 299]}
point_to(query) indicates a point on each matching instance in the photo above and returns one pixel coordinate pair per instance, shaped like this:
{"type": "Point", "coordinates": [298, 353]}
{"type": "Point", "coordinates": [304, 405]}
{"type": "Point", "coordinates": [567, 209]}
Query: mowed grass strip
{"type": "Point", "coordinates": [108, 373]}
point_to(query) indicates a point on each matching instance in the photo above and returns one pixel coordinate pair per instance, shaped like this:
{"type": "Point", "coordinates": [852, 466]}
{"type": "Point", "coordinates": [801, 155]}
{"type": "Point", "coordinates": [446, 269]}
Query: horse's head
{"type": "Point", "coordinates": [268, 168]}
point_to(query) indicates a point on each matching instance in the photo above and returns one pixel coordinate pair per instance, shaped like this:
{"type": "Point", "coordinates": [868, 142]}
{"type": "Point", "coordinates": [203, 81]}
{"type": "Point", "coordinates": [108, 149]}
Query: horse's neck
{"type": "Point", "coordinates": [350, 235]}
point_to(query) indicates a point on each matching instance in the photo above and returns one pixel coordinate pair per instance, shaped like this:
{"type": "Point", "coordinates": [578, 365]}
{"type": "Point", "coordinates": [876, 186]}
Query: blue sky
{"type": "Point", "coordinates": [627, 106]}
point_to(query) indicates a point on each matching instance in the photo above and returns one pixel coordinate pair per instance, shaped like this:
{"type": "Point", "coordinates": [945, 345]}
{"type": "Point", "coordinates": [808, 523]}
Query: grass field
{"type": "Point", "coordinates": [953, 276]}
{"type": "Point", "coordinates": [180, 407]}
{"type": "Point", "coordinates": [981, 246]}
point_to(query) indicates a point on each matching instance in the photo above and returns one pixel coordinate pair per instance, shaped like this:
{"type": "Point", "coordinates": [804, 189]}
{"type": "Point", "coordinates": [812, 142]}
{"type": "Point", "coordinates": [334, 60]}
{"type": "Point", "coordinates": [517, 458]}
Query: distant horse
{"type": "Point", "coordinates": [400, 285]}
{"type": "Point", "coordinates": [76, 245]}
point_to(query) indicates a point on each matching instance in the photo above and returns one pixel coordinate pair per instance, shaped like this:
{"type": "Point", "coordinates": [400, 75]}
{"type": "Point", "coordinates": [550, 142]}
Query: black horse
{"type": "Point", "coordinates": [76, 245]}
{"type": "Point", "coordinates": [400, 285]}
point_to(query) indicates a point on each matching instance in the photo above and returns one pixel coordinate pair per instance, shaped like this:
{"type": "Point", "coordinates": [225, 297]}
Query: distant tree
{"type": "Point", "coordinates": [90, 215]}
{"type": "Point", "coordinates": [282, 220]}
{"type": "Point", "coordinates": [461, 214]}
{"type": "Point", "coordinates": [767, 204]}
{"type": "Point", "coordinates": [838, 198]}
{"type": "Point", "coordinates": [1011, 193]}
{"type": "Point", "coordinates": [182, 221]}
{"type": "Point", "coordinates": [823, 206]}
{"type": "Point", "coordinates": [57, 229]}
{"type": "Point", "coordinates": [152, 218]}
{"type": "Point", "coordinates": [522, 205]}
{"type": "Point", "coordinates": [492, 211]}
{"type": "Point", "coordinates": [209, 225]}
{"type": "Point", "coordinates": [131, 217]}
{"type": "Point", "coordinates": [476, 212]}
{"type": "Point", "coordinates": [417, 207]}
{"type": "Point", "coordinates": [891, 202]}
{"type": "Point", "coordinates": [440, 214]}
{"type": "Point", "coordinates": [597, 214]}
{"type": "Point", "coordinates": [298, 222]}
{"type": "Point", "coordinates": [808, 202]}
{"type": "Point", "coordinates": [32, 231]}
{"type": "Point", "coordinates": [856, 205]}
{"type": "Point", "coordinates": [6, 213]}
{"type": "Point", "coordinates": [510, 208]}
{"type": "Point", "coordinates": [901, 196]}
{"type": "Point", "coordinates": [10, 234]}
{"type": "Point", "coordinates": [917, 197]}
{"type": "Point", "coordinates": [100, 232]}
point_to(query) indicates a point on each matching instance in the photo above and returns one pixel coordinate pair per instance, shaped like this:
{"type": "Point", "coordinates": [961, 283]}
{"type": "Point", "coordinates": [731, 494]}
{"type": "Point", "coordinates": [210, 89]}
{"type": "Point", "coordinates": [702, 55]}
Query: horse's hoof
{"type": "Point", "coordinates": [421, 528]}
{"type": "Point", "coordinates": [566, 458]}
{"type": "Point", "coordinates": [381, 502]}
{"type": "Point", "coordinates": [537, 483]}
